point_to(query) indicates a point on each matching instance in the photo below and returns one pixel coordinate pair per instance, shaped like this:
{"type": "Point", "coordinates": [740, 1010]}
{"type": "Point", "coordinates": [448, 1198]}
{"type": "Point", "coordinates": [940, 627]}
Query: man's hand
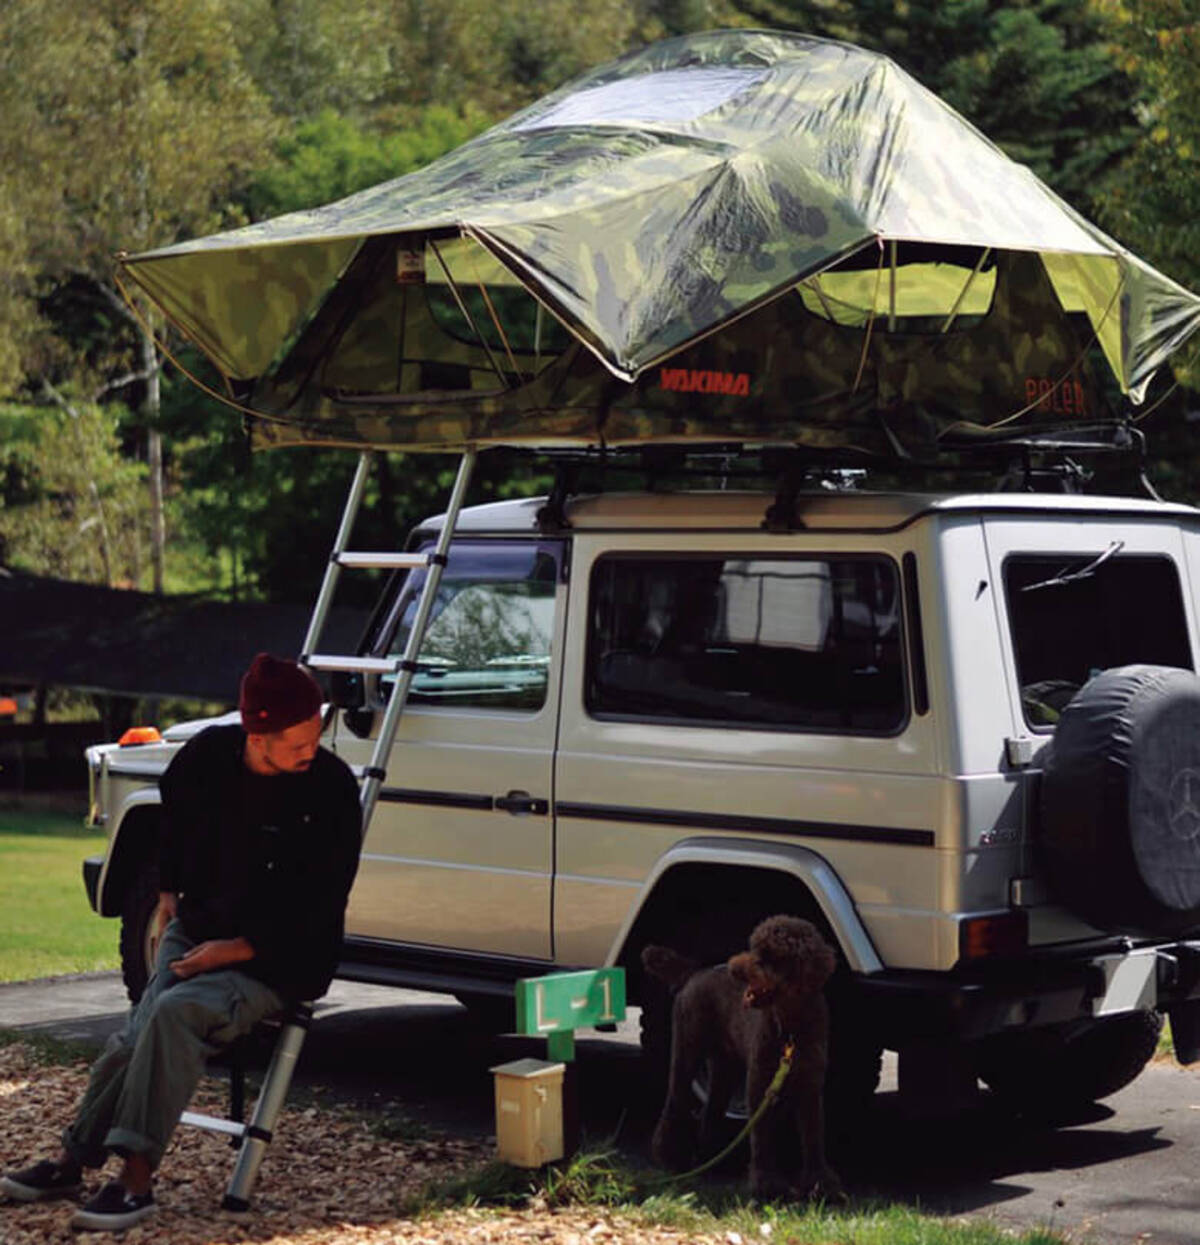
{"type": "Point", "coordinates": [207, 957]}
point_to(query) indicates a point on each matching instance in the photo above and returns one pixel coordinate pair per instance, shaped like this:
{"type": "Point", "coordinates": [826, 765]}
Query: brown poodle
{"type": "Point", "coordinates": [737, 1017]}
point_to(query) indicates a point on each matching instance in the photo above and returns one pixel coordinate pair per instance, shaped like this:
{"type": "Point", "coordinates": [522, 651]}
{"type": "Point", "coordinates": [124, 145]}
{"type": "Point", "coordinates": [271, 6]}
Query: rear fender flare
{"type": "Point", "coordinates": [806, 867]}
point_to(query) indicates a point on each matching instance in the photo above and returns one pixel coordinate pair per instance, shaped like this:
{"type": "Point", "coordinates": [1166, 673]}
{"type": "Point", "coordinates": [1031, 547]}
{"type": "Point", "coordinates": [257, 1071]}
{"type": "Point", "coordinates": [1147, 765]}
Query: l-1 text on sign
{"type": "Point", "coordinates": [566, 1001]}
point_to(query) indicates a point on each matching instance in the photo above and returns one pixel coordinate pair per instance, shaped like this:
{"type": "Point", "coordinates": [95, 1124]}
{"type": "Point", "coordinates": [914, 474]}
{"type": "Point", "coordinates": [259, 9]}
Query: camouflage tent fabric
{"type": "Point", "coordinates": [739, 234]}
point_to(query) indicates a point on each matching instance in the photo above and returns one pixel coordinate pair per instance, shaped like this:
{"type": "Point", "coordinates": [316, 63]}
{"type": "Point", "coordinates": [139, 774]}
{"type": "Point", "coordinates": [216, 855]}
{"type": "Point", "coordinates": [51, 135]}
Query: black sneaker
{"type": "Point", "coordinates": [42, 1182]}
{"type": "Point", "coordinates": [114, 1209]}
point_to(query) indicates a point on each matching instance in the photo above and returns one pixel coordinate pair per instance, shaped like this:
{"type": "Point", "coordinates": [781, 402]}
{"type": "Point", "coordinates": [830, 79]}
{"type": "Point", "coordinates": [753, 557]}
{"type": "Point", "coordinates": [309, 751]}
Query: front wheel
{"type": "Point", "coordinates": [139, 937]}
{"type": "Point", "coordinates": [1059, 1069]}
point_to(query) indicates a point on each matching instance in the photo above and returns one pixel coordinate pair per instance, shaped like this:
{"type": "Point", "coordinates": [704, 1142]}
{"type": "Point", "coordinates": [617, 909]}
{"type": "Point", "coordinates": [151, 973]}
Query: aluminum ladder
{"type": "Point", "coordinates": [253, 1138]}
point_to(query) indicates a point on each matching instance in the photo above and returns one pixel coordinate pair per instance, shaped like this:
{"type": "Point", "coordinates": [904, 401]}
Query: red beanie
{"type": "Point", "coordinates": [277, 693]}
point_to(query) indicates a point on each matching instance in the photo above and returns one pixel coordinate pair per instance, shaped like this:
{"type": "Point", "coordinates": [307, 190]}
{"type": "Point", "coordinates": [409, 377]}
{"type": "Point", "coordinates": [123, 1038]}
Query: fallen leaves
{"type": "Point", "coordinates": [328, 1179]}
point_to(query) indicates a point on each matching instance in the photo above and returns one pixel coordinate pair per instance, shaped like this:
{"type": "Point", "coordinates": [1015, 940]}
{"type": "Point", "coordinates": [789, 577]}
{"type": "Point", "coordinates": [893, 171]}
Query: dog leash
{"type": "Point", "coordinates": [772, 1092]}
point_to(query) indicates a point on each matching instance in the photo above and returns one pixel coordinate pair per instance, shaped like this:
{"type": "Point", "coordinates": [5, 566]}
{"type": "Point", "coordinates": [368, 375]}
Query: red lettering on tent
{"type": "Point", "coordinates": [699, 380]}
{"type": "Point", "coordinates": [1061, 397]}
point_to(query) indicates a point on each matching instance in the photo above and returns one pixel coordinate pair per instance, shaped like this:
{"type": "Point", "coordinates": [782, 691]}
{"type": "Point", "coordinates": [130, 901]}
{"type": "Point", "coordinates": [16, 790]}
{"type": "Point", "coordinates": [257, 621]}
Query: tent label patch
{"type": "Point", "coordinates": [1062, 397]}
{"type": "Point", "coordinates": [696, 380]}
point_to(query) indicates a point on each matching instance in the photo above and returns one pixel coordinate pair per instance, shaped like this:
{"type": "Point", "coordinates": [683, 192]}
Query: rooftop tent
{"type": "Point", "coordinates": [733, 235]}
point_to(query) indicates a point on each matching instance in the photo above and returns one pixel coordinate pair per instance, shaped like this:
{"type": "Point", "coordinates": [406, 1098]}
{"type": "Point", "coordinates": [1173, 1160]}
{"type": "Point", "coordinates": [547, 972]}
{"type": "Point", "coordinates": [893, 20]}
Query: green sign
{"type": "Point", "coordinates": [554, 1006]}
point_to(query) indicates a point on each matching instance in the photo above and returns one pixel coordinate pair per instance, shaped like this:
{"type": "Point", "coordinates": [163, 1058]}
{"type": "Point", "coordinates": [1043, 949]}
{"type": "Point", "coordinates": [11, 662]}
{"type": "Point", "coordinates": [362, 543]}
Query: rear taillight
{"type": "Point", "coordinates": [997, 934]}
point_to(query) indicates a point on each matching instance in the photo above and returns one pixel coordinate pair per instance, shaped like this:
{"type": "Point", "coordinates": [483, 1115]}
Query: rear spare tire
{"type": "Point", "coordinates": [1120, 802]}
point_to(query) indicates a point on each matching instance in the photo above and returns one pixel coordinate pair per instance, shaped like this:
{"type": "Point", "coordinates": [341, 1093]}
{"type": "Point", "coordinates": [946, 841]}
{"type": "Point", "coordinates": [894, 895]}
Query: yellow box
{"type": "Point", "coordinates": [529, 1115]}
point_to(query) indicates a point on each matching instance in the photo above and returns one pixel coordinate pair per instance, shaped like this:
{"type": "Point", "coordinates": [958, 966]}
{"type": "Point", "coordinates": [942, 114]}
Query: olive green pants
{"type": "Point", "coordinates": [144, 1079]}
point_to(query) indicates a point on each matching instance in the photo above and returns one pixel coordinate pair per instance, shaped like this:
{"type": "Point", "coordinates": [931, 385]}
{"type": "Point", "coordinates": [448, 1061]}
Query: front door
{"type": "Point", "coordinates": [459, 853]}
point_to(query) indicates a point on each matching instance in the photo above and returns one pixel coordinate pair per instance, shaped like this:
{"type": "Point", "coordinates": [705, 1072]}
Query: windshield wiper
{"type": "Point", "coordinates": [1085, 572]}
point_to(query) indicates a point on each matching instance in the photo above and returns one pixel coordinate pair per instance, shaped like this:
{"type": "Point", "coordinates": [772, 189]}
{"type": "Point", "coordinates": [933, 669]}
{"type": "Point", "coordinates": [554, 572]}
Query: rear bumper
{"type": "Point", "coordinates": [968, 1005]}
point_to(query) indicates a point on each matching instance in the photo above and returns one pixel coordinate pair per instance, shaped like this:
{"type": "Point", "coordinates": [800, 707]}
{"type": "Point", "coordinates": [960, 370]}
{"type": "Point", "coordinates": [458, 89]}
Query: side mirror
{"type": "Point", "coordinates": [346, 689]}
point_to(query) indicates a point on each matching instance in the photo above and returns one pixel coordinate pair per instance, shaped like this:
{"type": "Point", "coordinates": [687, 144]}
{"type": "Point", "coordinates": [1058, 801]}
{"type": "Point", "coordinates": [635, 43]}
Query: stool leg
{"type": "Point", "coordinates": [266, 1110]}
{"type": "Point", "coordinates": [237, 1087]}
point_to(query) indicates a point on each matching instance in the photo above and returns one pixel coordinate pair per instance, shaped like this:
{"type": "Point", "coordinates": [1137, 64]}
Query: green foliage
{"type": "Point", "coordinates": [71, 505]}
{"type": "Point", "coordinates": [1154, 202]}
{"type": "Point", "coordinates": [132, 123]}
{"type": "Point", "coordinates": [1037, 76]}
{"type": "Point", "coordinates": [600, 1178]}
{"type": "Point", "coordinates": [330, 156]}
{"type": "Point", "coordinates": [309, 56]}
{"type": "Point", "coordinates": [499, 54]}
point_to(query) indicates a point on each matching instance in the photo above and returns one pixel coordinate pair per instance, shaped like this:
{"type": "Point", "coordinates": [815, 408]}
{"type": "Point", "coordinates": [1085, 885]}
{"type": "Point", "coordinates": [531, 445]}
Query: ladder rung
{"type": "Point", "coordinates": [382, 560]}
{"type": "Point", "coordinates": [214, 1123]}
{"type": "Point", "coordinates": [353, 665]}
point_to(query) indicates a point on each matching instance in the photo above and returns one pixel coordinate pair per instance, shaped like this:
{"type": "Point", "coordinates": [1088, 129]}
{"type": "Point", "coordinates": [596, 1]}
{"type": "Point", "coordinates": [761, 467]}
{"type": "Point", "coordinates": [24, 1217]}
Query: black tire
{"type": "Point", "coordinates": [1119, 830]}
{"type": "Point", "coordinates": [137, 946]}
{"type": "Point", "coordinates": [493, 1013]}
{"type": "Point", "coordinates": [1051, 1071]}
{"type": "Point", "coordinates": [855, 1059]}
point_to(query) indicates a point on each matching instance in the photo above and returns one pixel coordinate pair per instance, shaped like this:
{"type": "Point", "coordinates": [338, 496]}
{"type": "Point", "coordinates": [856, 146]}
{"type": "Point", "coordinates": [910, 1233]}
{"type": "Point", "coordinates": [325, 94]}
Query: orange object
{"type": "Point", "coordinates": [8, 707]}
{"type": "Point", "coordinates": [1002, 933]}
{"type": "Point", "coordinates": [140, 735]}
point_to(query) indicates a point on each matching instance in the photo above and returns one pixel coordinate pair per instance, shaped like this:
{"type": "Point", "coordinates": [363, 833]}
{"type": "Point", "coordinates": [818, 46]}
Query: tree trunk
{"type": "Point", "coordinates": [151, 410]}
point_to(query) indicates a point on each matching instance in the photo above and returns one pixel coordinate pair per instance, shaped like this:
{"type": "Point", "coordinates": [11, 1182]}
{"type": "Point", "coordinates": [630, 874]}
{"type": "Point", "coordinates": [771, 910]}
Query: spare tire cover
{"type": "Point", "coordinates": [1119, 828]}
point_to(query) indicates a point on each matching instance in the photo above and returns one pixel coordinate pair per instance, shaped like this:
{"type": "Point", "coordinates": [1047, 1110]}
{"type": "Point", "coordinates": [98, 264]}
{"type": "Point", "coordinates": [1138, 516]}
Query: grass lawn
{"type": "Point", "coordinates": [46, 924]}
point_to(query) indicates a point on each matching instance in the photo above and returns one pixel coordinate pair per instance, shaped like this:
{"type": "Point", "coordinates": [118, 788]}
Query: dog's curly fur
{"type": "Point", "coordinates": [737, 1018]}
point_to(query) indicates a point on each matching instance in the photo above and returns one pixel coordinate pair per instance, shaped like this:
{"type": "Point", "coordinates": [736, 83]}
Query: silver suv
{"type": "Point", "coordinates": [960, 732]}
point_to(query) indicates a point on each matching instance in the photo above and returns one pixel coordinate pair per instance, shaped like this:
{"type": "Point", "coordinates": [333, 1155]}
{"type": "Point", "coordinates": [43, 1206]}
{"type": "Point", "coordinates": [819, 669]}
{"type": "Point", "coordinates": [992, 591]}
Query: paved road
{"type": "Point", "coordinates": [1128, 1172]}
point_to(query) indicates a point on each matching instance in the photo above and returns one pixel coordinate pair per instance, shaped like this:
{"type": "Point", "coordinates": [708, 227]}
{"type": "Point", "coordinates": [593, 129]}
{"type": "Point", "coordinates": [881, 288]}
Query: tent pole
{"type": "Point", "coordinates": [892, 289]}
{"type": "Point", "coordinates": [462, 306]}
{"type": "Point", "coordinates": [813, 283]}
{"type": "Point", "coordinates": [979, 263]}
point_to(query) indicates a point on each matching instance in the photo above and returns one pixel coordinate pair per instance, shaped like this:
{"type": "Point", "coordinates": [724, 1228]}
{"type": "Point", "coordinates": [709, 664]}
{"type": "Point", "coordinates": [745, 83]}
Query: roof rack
{"type": "Point", "coordinates": [1046, 461]}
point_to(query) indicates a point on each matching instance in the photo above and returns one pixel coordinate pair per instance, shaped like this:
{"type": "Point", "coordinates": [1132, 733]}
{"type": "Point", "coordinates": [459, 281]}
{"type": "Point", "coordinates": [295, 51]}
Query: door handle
{"type": "Point", "coordinates": [517, 802]}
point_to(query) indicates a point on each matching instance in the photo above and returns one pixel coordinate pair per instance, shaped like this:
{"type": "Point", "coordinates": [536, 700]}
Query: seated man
{"type": "Point", "coordinates": [259, 847]}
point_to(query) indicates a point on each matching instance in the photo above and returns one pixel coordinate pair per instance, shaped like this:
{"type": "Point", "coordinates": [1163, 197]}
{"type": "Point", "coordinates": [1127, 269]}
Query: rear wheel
{"type": "Point", "coordinates": [1058, 1069]}
{"type": "Point", "coordinates": [139, 939]}
{"type": "Point", "coordinates": [493, 1013]}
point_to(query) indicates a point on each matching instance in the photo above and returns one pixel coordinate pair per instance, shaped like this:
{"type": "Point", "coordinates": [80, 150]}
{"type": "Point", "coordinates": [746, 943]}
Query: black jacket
{"type": "Point", "coordinates": [267, 858]}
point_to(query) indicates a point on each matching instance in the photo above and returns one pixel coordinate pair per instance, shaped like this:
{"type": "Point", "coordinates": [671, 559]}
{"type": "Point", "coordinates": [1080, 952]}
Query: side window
{"type": "Point", "coordinates": [776, 643]}
{"type": "Point", "coordinates": [488, 641]}
{"type": "Point", "coordinates": [1075, 614]}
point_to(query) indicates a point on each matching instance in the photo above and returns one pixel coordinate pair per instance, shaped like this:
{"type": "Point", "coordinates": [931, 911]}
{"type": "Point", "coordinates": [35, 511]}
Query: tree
{"type": "Point", "coordinates": [1154, 205]}
{"type": "Point", "coordinates": [153, 124]}
{"type": "Point", "coordinates": [70, 504]}
{"type": "Point", "coordinates": [330, 156]}
{"type": "Point", "coordinates": [1038, 76]}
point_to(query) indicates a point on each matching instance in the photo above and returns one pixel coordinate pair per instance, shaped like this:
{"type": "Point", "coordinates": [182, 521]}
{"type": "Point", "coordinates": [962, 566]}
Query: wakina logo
{"type": "Point", "coordinates": [695, 380]}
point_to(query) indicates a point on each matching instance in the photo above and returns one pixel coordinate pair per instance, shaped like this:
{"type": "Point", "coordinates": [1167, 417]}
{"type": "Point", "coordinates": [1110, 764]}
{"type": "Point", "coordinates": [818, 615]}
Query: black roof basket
{"type": "Point", "coordinates": [1016, 461]}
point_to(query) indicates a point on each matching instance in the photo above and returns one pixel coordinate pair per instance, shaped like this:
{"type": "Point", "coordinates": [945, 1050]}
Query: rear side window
{"type": "Point", "coordinates": [487, 645]}
{"type": "Point", "coordinates": [785, 643]}
{"type": "Point", "coordinates": [1075, 614]}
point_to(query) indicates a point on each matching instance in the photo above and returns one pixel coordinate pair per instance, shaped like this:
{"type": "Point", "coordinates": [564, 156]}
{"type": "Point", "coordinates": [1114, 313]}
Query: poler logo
{"type": "Point", "coordinates": [1064, 397]}
{"type": "Point", "coordinates": [694, 380]}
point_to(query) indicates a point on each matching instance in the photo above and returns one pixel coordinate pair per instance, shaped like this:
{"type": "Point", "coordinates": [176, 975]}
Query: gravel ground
{"type": "Point", "coordinates": [327, 1180]}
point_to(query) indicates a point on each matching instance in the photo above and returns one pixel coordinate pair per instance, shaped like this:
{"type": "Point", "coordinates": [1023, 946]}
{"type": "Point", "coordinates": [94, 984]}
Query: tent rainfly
{"type": "Point", "coordinates": [738, 235]}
